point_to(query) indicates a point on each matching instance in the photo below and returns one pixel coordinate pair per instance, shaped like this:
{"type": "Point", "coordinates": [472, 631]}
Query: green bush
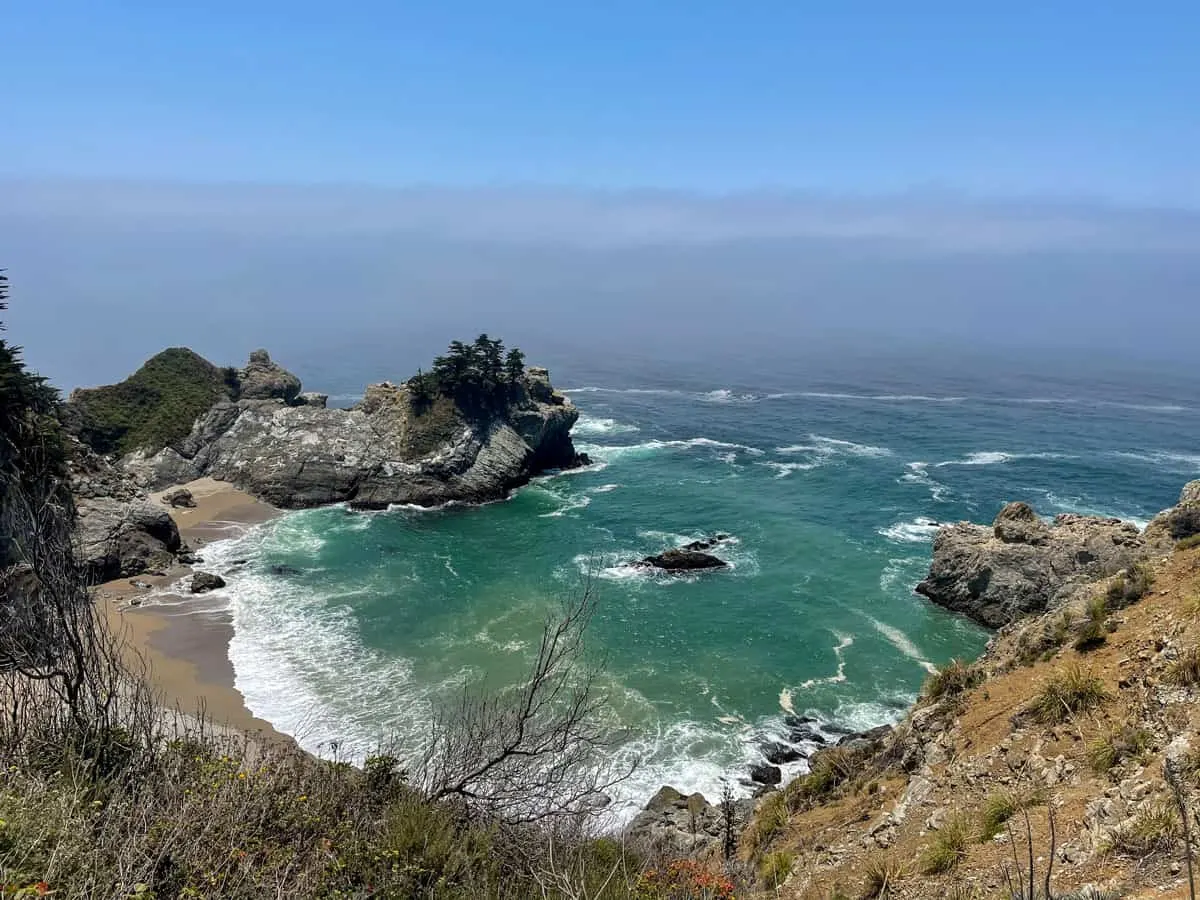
{"type": "Point", "coordinates": [1188, 543]}
{"type": "Point", "coordinates": [154, 407]}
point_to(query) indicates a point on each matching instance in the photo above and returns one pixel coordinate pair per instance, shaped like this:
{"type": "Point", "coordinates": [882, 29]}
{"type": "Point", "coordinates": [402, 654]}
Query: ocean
{"type": "Point", "coordinates": [352, 628]}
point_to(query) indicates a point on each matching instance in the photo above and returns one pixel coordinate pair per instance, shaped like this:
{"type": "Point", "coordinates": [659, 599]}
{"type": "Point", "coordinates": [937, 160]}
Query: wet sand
{"type": "Point", "coordinates": [184, 638]}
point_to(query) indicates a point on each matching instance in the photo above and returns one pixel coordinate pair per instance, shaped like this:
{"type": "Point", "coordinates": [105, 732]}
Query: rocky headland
{"type": "Point", "coordinates": [482, 427]}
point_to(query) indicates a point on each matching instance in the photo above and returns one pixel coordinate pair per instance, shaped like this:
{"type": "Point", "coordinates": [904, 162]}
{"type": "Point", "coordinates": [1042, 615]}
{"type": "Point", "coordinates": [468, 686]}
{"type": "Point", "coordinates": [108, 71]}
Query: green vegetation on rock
{"type": "Point", "coordinates": [152, 408]}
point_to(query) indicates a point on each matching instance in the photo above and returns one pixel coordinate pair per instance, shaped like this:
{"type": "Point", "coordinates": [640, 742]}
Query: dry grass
{"type": "Point", "coordinates": [1153, 830]}
{"type": "Point", "coordinates": [883, 872]}
{"type": "Point", "coordinates": [1066, 693]}
{"type": "Point", "coordinates": [948, 849]}
{"type": "Point", "coordinates": [1185, 669]}
{"type": "Point", "coordinates": [954, 678]}
{"type": "Point", "coordinates": [1112, 747]}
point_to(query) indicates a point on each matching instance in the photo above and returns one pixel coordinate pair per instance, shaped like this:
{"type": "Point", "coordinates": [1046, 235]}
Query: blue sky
{"type": "Point", "coordinates": [1065, 98]}
{"type": "Point", "coordinates": [696, 180]}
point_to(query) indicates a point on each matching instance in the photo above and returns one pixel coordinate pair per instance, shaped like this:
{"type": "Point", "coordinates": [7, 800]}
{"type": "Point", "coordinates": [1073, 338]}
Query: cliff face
{"type": "Point", "coordinates": [392, 448]}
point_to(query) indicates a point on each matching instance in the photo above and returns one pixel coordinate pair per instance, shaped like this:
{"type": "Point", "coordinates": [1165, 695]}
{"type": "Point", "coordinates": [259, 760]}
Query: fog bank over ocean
{"type": "Point", "coordinates": [105, 274]}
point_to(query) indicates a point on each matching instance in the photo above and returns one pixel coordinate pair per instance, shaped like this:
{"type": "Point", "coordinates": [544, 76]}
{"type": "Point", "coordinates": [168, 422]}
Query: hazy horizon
{"type": "Point", "coordinates": [104, 274]}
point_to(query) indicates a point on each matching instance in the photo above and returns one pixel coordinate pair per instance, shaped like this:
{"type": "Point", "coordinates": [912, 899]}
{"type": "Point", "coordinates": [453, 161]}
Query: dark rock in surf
{"type": "Point", "coordinates": [777, 754]}
{"type": "Point", "coordinates": [203, 582]}
{"type": "Point", "coordinates": [766, 774]}
{"type": "Point", "coordinates": [683, 560]}
{"type": "Point", "coordinates": [285, 570]}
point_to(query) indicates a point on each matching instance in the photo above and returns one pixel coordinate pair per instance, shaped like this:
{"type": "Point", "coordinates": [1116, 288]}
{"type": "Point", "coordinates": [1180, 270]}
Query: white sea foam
{"type": "Point", "coordinates": [1167, 459]}
{"type": "Point", "coordinates": [611, 453]}
{"type": "Point", "coordinates": [902, 642]}
{"type": "Point", "coordinates": [570, 505]}
{"type": "Point", "coordinates": [916, 531]}
{"type": "Point", "coordinates": [903, 572]}
{"type": "Point", "coordinates": [822, 450]}
{"type": "Point", "coordinates": [783, 470]}
{"type": "Point", "coordinates": [593, 426]}
{"type": "Point", "coordinates": [999, 457]}
{"type": "Point", "coordinates": [873, 398]}
{"type": "Point", "coordinates": [724, 395]}
{"type": "Point", "coordinates": [603, 488]}
{"type": "Point", "coordinates": [918, 473]}
{"type": "Point", "coordinates": [844, 641]}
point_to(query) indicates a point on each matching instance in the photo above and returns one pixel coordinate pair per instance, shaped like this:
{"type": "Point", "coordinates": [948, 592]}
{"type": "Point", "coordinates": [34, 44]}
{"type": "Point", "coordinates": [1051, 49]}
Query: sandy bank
{"type": "Point", "coordinates": [184, 637]}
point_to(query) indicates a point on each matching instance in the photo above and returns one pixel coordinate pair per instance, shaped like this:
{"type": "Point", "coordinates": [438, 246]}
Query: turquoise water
{"type": "Point", "coordinates": [830, 493]}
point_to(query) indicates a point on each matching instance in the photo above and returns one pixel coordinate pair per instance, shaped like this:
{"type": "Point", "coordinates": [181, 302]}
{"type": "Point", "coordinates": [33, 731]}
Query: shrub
{"type": "Point", "coordinates": [831, 768]}
{"type": "Point", "coordinates": [1130, 586]}
{"type": "Point", "coordinates": [998, 809]}
{"type": "Point", "coordinates": [1092, 630]}
{"type": "Point", "coordinates": [1189, 543]}
{"type": "Point", "coordinates": [1112, 747]}
{"type": "Point", "coordinates": [882, 874]}
{"type": "Point", "coordinates": [775, 868]}
{"type": "Point", "coordinates": [948, 849]}
{"type": "Point", "coordinates": [952, 679]}
{"type": "Point", "coordinates": [1069, 691]}
{"type": "Point", "coordinates": [1155, 828]}
{"type": "Point", "coordinates": [683, 879]}
{"type": "Point", "coordinates": [1185, 670]}
{"type": "Point", "coordinates": [770, 819]}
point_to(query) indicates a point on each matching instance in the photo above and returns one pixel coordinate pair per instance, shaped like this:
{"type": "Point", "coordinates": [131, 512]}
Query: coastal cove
{"type": "Point", "coordinates": [349, 626]}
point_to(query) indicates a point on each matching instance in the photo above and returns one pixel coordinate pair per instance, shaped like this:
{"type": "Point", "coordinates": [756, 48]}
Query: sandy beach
{"type": "Point", "coordinates": [183, 637]}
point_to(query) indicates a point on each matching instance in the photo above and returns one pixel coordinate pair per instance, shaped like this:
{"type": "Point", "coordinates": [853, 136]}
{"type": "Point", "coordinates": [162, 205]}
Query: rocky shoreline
{"type": "Point", "coordinates": [287, 448]}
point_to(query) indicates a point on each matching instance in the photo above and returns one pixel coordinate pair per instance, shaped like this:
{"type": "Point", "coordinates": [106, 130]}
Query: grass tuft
{"type": "Point", "coordinates": [883, 872]}
{"type": "Point", "coordinates": [948, 849]}
{"type": "Point", "coordinates": [1154, 829]}
{"type": "Point", "coordinates": [1130, 586]}
{"type": "Point", "coordinates": [952, 679]}
{"type": "Point", "coordinates": [1071, 690]}
{"type": "Point", "coordinates": [1110, 748]}
{"type": "Point", "coordinates": [1185, 670]}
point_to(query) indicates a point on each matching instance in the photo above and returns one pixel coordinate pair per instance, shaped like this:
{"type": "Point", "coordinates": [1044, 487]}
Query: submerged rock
{"type": "Point", "coordinates": [1021, 565]}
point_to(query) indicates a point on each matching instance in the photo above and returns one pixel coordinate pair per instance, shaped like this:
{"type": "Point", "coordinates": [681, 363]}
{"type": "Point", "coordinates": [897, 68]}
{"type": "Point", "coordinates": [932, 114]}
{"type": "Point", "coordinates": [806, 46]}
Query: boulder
{"type": "Point", "coordinates": [263, 379]}
{"type": "Point", "coordinates": [180, 498]}
{"type": "Point", "coordinates": [1179, 522]}
{"type": "Point", "coordinates": [312, 398]}
{"type": "Point", "coordinates": [777, 753]}
{"type": "Point", "coordinates": [119, 538]}
{"type": "Point", "coordinates": [1020, 566]}
{"type": "Point", "coordinates": [766, 774]}
{"type": "Point", "coordinates": [1017, 523]}
{"type": "Point", "coordinates": [203, 582]}
{"type": "Point", "coordinates": [682, 560]}
{"type": "Point", "coordinates": [675, 824]}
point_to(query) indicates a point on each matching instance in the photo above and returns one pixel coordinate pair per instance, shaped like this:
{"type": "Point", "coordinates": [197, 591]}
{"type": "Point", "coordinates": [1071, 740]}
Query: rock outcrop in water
{"type": "Point", "coordinates": [691, 557]}
{"type": "Point", "coordinates": [395, 447]}
{"type": "Point", "coordinates": [1021, 565]}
